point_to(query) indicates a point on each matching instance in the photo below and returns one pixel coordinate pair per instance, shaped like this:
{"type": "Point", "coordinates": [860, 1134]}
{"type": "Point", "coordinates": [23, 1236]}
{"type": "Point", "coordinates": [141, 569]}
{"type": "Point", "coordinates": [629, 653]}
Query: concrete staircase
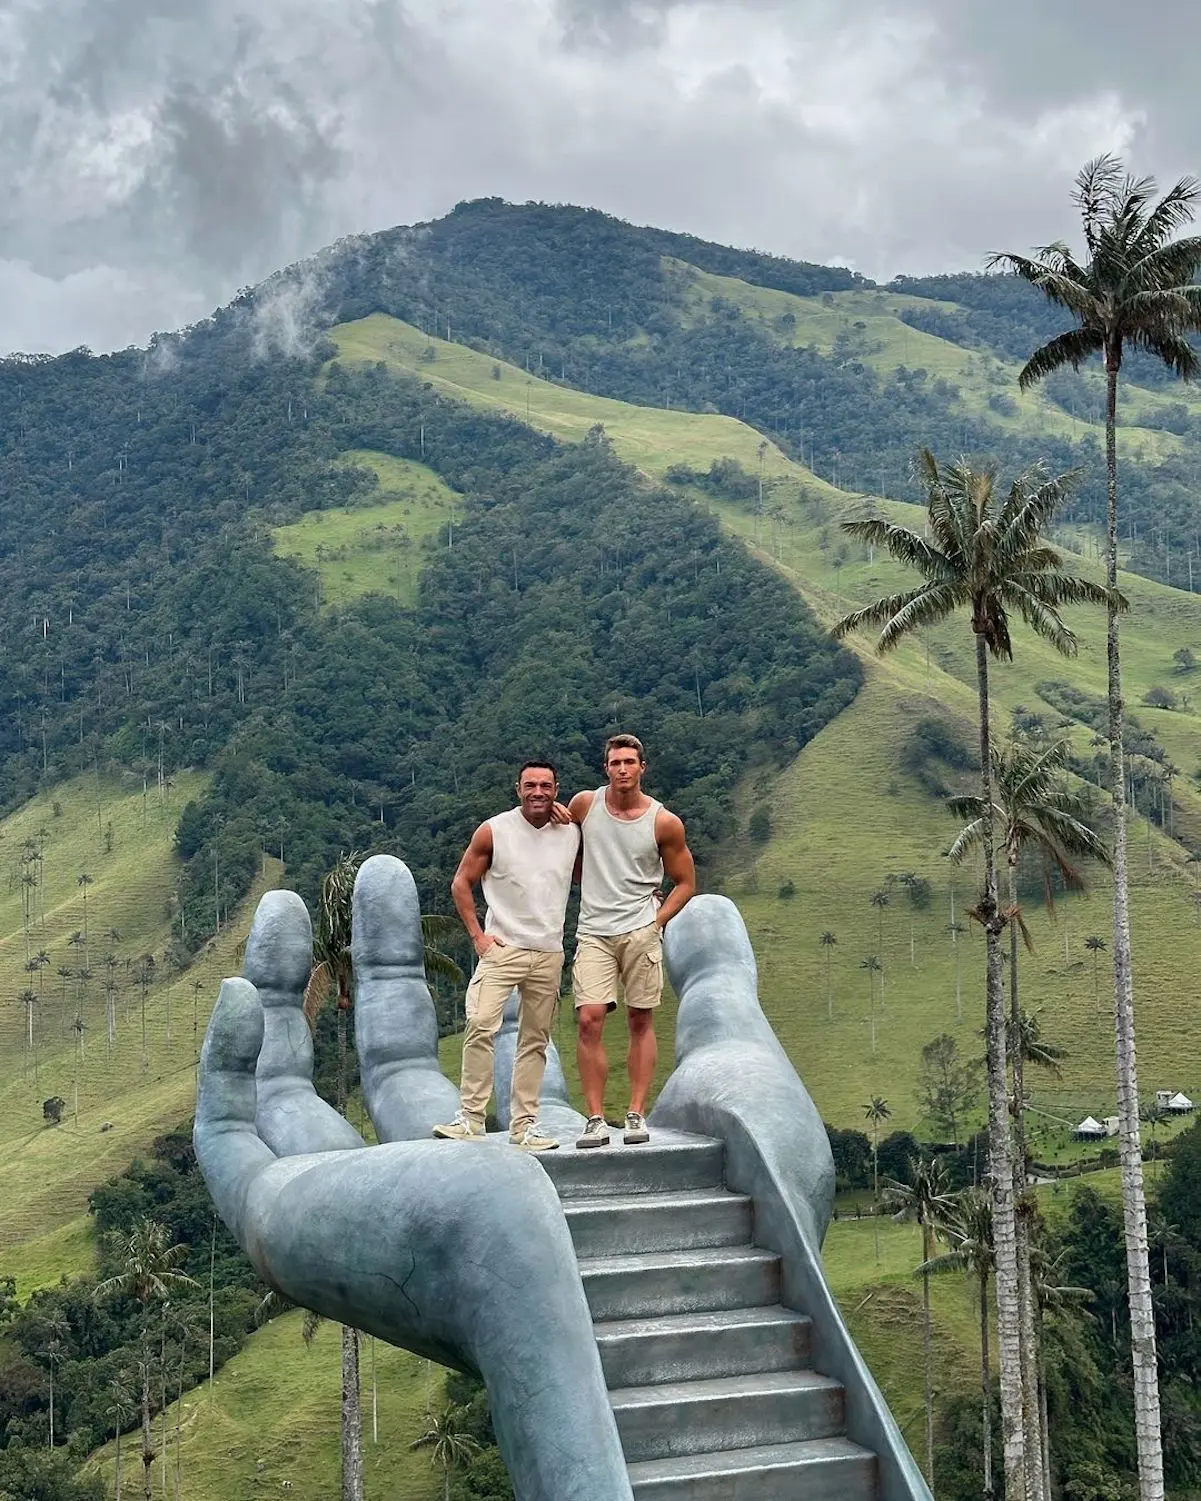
{"type": "Point", "coordinates": [708, 1373]}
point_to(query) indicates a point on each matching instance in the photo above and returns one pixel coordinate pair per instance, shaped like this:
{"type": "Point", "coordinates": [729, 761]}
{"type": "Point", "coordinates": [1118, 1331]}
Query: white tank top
{"type": "Point", "coordinates": [527, 883]}
{"type": "Point", "coordinates": [622, 868]}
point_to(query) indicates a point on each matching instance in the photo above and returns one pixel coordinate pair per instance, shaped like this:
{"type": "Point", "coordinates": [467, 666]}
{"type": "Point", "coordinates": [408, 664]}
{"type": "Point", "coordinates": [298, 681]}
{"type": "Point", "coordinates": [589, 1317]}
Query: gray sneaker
{"type": "Point", "coordinates": [460, 1129]}
{"type": "Point", "coordinates": [636, 1131]}
{"type": "Point", "coordinates": [596, 1133]}
{"type": "Point", "coordinates": [534, 1139]}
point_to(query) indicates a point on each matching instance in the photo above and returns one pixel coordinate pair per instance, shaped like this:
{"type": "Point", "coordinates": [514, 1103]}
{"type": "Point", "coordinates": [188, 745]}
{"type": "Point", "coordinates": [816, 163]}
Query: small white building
{"type": "Point", "coordinates": [1111, 1124]}
{"type": "Point", "coordinates": [1089, 1129]}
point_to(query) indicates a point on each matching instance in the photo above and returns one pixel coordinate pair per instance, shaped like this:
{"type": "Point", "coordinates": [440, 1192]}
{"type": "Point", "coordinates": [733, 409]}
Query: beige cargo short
{"type": "Point", "coordinates": [633, 961]}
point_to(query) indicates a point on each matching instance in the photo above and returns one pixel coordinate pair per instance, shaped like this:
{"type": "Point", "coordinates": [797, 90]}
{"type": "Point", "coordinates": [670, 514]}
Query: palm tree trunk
{"type": "Point", "coordinates": [1134, 1206]}
{"type": "Point", "coordinates": [985, 1389]}
{"type": "Point", "coordinates": [352, 1424]}
{"type": "Point", "coordinates": [117, 1493]}
{"type": "Point", "coordinates": [1032, 1438]}
{"type": "Point", "coordinates": [1042, 1412]}
{"type": "Point", "coordinates": [147, 1431]}
{"type": "Point", "coordinates": [927, 1358]}
{"type": "Point", "coordinates": [999, 1144]}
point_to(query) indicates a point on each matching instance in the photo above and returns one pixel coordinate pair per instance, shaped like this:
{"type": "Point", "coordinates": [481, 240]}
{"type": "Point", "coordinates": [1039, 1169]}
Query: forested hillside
{"type": "Point", "coordinates": [347, 570]}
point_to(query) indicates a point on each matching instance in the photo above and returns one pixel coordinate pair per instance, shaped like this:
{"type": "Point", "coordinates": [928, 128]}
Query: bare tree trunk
{"type": "Point", "coordinates": [1032, 1438]}
{"type": "Point", "coordinates": [117, 1494]}
{"type": "Point", "coordinates": [927, 1358]}
{"type": "Point", "coordinates": [352, 1430]}
{"type": "Point", "coordinates": [1042, 1413]}
{"type": "Point", "coordinates": [985, 1389]}
{"type": "Point", "coordinates": [1134, 1205]}
{"type": "Point", "coordinates": [1000, 1155]}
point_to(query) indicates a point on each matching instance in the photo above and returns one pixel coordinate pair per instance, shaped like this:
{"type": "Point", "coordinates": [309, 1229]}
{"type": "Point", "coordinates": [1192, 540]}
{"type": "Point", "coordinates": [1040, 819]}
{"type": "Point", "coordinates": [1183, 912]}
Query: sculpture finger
{"type": "Point", "coordinates": [555, 1110]}
{"type": "Point", "coordinates": [228, 1147]}
{"type": "Point", "coordinates": [396, 1031]}
{"type": "Point", "coordinates": [732, 1077]}
{"type": "Point", "coordinates": [292, 1117]}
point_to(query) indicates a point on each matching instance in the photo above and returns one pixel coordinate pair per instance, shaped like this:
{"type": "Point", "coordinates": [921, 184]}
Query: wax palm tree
{"type": "Point", "coordinates": [876, 1110]}
{"type": "Point", "coordinates": [968, 1229]}
{"type": "Point", "coordinates": [879, 900]}
{"type": "Point", "coordinates": [1051, 1295]}
{"type": "Point", "coordinates": [1153, 1114]}
{"type": "Point", "coordinates": [1096, 945]}
{"type": "Point", "coordinates": [1134, 289]}
{"type": "Point", "coordinates": [119, 1409]}
{"type": "Point", "coordinates": [1035, 812]}
{"type": "Point", "coordinates": [449, 1444]}
{"type": "Point", "coordinates": [990, 559]}
{"type": "Point", "coordinates": [924, 1201]}
{"type": "Point", "coordinates": [332, 973]}
{"type": "Point", "coordinates": [871, 963]}
{"type": "Point", "coordinates": [150, 1275]}
{"type": "Point", "coordinates": [828, 942]}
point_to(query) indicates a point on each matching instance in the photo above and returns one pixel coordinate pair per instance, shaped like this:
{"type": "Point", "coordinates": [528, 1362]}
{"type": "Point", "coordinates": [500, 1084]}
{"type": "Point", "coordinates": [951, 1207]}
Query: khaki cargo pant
{"type": "Point", "coordinates": [535, 974]}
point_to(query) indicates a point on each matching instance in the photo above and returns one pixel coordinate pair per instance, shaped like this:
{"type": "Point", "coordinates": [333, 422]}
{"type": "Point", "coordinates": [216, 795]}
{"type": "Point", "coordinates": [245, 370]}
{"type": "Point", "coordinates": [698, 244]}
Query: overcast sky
{"type": "Point", "coordinates": [156, 155]}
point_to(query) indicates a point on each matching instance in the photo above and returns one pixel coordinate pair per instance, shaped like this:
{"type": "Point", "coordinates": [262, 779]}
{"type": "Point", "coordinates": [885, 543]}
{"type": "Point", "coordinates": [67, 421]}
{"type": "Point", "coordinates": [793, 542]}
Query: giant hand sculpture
{"type": "Point", "coordinates": [460, 1253]}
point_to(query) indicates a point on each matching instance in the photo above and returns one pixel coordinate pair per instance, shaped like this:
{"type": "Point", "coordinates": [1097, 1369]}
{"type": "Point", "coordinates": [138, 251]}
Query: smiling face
{"type": "Point", "coordinates": [624, 767]}
{"type": "Point", "coordinates": [537, 789]}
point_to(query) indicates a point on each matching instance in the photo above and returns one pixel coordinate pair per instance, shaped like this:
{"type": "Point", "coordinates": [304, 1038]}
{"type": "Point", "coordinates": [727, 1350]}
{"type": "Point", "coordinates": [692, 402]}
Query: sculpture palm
{"type": "Point", "coordinates": [989, 558]}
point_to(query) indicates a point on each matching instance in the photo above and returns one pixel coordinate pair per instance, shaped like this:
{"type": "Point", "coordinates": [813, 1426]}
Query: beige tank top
{"type": "Point", "coordinates": [622, 868]}
{"type": "Point", "coordinates": [527, 883]}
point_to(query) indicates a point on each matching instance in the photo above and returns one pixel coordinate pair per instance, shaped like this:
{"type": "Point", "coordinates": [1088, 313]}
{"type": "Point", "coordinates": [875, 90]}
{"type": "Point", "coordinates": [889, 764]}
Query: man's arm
{"type": "Point", "coordinates": [578, 808]}
{"type": "Point", "coordinates": [677, 865]}
{"type": "Point", "coordinates": [477, 857]}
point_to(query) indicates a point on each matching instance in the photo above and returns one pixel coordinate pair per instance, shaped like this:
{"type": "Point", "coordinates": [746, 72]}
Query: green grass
{"type": "Point", "coordinates": [272, 1416]}
{"type": "Point", "coordinates": [124, 1099]}
{"type": "Point", "coordinates": [375, 548]}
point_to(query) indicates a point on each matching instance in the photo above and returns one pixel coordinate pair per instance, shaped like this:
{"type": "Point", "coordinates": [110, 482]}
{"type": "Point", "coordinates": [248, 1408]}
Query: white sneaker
{"type": "Point", "coordinates": [460, 1129]}
{"type": "Point", "coordinates": [596, 1133]}
{"type": "Point", "coordinates": [534, 1139]}
{"type": "Point", "coordinates": [636, 1131]}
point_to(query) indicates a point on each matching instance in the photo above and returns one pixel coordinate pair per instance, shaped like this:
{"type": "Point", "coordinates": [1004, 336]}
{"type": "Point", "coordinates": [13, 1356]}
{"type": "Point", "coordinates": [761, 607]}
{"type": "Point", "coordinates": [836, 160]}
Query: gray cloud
{"type": "Point", "coordinates": [157, 154]}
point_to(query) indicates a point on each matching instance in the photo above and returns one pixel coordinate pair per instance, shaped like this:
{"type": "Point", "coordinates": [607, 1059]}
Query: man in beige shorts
{"type": "Point", "coordinates": [524, 860]}
{"type": "Point", "coordinates": [630, 843]}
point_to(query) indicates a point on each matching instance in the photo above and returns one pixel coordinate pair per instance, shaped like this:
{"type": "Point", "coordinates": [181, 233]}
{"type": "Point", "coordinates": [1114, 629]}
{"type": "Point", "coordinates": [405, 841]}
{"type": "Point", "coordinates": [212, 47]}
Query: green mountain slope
{"type": "Point", "coordinates": [846, 814]}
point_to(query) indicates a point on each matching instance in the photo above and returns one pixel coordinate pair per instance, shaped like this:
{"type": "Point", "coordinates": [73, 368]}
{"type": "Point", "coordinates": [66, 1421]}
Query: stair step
{"type": "Point", "coordinates": [687, 1346]}
{"type": "Point", "coordinates": [629, 1224]}
{"type": "Point", "coordinates": [666, 1282]}
{"type": "Point", "coordinates": [675, 1418]}
{"type": "Point", "coordinates": [826, 1469]}
{"type": "Point", "coordinates": [670, 1162]}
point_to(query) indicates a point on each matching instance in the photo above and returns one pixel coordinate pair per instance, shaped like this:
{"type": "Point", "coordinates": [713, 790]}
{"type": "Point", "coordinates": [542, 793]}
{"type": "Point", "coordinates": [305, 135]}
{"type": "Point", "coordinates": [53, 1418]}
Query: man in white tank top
{"type": "Point", "coordinates": [630, 843]}
{"type": "Point", "coordinates": [525, 861]}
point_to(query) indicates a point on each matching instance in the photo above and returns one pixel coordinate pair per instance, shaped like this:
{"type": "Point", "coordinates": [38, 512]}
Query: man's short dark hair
{"type": "Point", "coordinates": [537, 763]}
{"type": "Point", "coordinates": [623, 742]}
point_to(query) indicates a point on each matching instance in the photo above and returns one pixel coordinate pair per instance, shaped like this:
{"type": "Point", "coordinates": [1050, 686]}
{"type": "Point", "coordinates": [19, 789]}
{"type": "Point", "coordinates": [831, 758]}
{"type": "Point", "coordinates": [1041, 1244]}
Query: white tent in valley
{"type": "Point", "coordinates": [1089, 1128]}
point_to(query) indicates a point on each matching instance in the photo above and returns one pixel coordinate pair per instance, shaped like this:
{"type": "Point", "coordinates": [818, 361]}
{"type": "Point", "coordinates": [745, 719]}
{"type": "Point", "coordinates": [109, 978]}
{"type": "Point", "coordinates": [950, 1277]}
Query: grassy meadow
{"type": "Point", "coordinates": [117, 1096]}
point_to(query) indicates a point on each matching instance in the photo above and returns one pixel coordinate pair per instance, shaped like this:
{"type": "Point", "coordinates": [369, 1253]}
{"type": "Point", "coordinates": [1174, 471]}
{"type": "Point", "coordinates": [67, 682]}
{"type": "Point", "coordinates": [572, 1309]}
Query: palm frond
{"type": "Point", "coordinates": [1071, 348]}
{"type": "Point", "coordinates": [1176, 353]}
{"type": "Point", "coordinates": [1175, 209]}
{"type": "Point", "coordinates": [967, 839]}
{"type": "Point", "coordinates": [903, 544]}
{"type": "Point", "coordinates": [317, 992]}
